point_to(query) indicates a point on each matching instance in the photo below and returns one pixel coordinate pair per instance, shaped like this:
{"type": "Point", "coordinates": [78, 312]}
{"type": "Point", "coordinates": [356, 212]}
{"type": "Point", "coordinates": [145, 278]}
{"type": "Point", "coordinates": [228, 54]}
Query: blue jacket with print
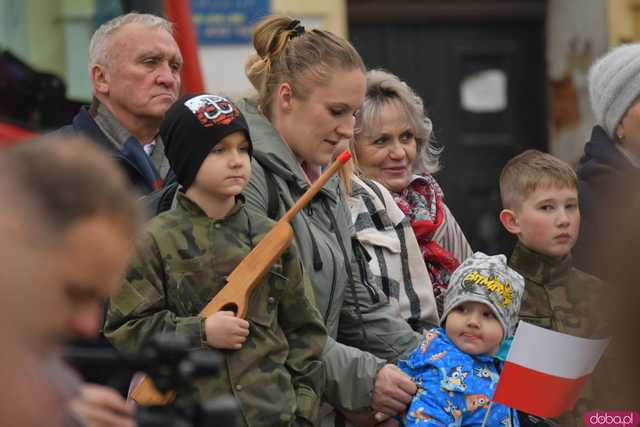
{"type": "Point", "coordinates": [454, 388]}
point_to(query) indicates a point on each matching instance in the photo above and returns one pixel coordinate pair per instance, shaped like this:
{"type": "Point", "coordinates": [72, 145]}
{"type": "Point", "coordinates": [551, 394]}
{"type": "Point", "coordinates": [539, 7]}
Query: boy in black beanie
{"type": "Point", "coordinates": [272, 359]}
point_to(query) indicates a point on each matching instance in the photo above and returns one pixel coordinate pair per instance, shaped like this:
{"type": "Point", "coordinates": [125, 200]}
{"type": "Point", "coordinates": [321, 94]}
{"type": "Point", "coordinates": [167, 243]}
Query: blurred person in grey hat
{"type": "Point", "coordinates": [612, 155]}
{"type": "Point", "coordinates": [454, 365]}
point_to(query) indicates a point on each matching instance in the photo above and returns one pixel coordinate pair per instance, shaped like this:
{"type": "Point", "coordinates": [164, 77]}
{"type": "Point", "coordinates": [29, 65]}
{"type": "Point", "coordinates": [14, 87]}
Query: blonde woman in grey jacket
{"type": "Point", "coordinates": [310, 85]}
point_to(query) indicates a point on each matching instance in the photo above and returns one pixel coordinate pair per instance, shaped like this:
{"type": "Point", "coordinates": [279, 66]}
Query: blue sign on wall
{"type": "Point", "coordinates": [227, 21]}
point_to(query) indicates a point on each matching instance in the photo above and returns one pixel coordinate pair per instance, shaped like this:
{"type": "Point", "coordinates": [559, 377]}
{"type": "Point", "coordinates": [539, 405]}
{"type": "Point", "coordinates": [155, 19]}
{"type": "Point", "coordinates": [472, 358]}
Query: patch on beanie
{"type": "Point", "coordinates": [212, 110]}
{"type": "Point", "coordinates": [498, 291]}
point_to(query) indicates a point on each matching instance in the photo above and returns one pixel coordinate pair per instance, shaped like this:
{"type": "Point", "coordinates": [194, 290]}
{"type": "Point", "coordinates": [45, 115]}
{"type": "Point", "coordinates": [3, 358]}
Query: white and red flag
{"type": "Point", "coordinates": [545, 370]}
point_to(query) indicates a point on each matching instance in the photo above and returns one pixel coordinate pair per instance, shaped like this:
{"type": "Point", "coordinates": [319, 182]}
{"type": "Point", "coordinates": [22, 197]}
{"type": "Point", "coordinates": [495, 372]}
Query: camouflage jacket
{"type": "Point", "coordinates": [180, 264]}
{"type": "Point", "coordinates": [365, 330]}
{"type": "Point", "coordinates": [557, 296]}
{"type": "Point", "coordinates": [562, 298]}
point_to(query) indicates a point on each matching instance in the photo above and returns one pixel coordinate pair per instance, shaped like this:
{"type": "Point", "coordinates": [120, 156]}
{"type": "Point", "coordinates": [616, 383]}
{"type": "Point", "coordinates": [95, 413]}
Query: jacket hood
{"type": "Point", "coordinates": [601, 157]}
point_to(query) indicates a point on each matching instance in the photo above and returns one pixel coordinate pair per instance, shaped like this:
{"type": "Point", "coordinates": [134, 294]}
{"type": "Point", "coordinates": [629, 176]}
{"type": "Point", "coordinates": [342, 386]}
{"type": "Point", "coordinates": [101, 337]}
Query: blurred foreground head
{"type": "Point", "coordinates": [67, 221]}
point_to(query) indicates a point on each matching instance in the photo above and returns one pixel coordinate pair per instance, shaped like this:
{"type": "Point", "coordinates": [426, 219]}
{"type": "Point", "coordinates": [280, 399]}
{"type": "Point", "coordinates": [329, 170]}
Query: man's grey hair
{"type": "Point", "coordinates": [99, 52]}
{"type": "Point", "coordinates": [384, 88]}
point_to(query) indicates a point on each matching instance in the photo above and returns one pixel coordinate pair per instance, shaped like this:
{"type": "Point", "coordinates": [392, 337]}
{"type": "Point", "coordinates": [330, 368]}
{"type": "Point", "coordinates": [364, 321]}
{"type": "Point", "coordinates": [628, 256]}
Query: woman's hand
{"type": "Point", "coordinates": [392, 392]}
{"type": "Point", "coordinates": [226, 331]}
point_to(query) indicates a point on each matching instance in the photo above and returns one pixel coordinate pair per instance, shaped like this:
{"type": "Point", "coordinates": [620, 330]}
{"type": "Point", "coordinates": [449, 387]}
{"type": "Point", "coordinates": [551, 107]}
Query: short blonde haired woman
{"type": "Point", "coordinates": [393, 145]}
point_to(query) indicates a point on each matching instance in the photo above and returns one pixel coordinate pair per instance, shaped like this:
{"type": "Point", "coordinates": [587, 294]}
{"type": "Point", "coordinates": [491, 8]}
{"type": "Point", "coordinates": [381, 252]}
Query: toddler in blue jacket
{"type": "Point", "coordinates": [454, 366]}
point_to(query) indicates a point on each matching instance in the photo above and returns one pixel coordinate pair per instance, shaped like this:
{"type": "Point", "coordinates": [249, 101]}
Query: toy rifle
{"type": "Point", "coordinates": [247, 275]}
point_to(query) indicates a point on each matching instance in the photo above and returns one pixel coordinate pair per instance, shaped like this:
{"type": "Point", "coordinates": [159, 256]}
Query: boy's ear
{"type": "Point", "coordinates": [509, 220]}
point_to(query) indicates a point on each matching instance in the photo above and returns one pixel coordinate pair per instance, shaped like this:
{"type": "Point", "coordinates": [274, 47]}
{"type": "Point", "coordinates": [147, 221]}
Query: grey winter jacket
{"type": "Point", "coordinates": [365, 330]}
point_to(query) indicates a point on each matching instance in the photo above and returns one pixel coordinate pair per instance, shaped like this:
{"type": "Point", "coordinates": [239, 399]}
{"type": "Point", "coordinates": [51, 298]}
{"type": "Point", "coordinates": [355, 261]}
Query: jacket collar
{"type": "Point", "coordinates": [111, 127]}
{"type": "Point", "coordinates": [386, 219]}
{"type": "Point", "coordinates": [601, 154]}
{"type": "Point", "coordinates": [118, 136]}
{"type": "Point", "coordinates": [273, 153]}
{"type": "Point", "coordinates": [541, 269]}
{"type": "Point", "coordinates": [83, 121]}
{"type": "Point", "coordinates": [193, 209]}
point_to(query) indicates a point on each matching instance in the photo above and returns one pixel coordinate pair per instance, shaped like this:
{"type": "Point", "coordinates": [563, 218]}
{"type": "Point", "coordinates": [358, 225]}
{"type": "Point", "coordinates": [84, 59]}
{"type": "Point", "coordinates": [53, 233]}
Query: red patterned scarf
{"type": "Point", "coordinates": [422, 203]}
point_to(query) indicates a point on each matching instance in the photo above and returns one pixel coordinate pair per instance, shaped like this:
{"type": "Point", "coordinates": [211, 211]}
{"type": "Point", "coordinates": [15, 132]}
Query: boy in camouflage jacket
{"type": "Point", "coordinates": [540, 201]}
{"type": "Point", "coordinates": [271, 360]}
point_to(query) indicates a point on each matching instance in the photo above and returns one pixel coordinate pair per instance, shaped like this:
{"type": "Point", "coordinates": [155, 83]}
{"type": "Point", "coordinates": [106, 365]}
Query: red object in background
{"type": "Point", "coordinates": [179, 12]}
{"type": "Point", "coordinates": [10, 134]}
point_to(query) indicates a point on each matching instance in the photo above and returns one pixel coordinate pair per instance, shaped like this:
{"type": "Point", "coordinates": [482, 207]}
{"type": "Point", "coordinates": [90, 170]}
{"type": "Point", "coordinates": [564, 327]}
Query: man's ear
{"type": "Point", "coordinates": [509, 220]}
{"type": "Point", "coordinates": [284, 97]}
{"type": "Point", "coordinates": [99, 79]}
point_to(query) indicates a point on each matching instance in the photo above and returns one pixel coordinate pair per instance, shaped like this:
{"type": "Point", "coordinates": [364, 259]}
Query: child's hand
{"type": "Point", "coordinates": [225, 330]}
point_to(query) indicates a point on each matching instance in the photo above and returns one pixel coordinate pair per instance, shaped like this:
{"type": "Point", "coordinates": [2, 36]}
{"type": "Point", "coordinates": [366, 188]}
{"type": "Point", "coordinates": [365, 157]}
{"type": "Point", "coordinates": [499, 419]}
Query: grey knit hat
{"type": "Point", "coordinates": [614, 84]}
{"type": "Point", "coordinates": [489, 280]}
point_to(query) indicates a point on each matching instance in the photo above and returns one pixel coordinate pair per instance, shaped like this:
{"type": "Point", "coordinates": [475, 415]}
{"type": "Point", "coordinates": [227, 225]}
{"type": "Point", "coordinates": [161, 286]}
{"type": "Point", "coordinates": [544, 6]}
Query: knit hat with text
{"type": "Point", "coordinates": [489, 280]}
{"type": "Point", "coordinates": [193, 126]}
{"type": "Point", "coordinates": [614, 84]}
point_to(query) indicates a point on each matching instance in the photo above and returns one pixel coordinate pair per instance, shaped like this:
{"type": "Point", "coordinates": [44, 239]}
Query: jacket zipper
{"type": "Point", "coordinates": [333, 288]}
{"type": "Point", "coordinates": [364, 277]}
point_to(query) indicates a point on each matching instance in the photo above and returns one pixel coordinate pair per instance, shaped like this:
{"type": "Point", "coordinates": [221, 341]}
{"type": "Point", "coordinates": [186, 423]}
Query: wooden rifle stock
{"type": "Point", "coordinates": [245, 277]}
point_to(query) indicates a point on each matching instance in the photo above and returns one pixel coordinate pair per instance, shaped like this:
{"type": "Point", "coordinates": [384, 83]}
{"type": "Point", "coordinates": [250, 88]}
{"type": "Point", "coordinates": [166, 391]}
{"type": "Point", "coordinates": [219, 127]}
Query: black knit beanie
{"type": "Point", "coordinates": [193, 126]}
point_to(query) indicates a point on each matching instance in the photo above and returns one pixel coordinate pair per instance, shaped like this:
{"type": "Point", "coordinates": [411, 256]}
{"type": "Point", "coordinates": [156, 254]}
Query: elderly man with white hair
{"type": "Point", "coordinates": [134, 67]}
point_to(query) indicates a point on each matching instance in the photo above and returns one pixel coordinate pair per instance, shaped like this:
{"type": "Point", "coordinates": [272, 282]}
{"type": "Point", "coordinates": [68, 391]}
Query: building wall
{"type": "Point", "coordinates": [330, 14]}
{"type": "Point", "coordinates": [53, 36]}
{"type": "Point", "coordinates": [45, 35]}
{"type": "Point", "coordinates": [13, 29]}
{"type": "Point", "coordinates": [78, 22]}
{"type": "Point", "coordinates": [577, 33]}
{"type": "Point", "coordinates": [223, 65]}
{"type": "Point", "coordinates": [31, 30]}
{"type": "Point", "coordinates": [623, 21]}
